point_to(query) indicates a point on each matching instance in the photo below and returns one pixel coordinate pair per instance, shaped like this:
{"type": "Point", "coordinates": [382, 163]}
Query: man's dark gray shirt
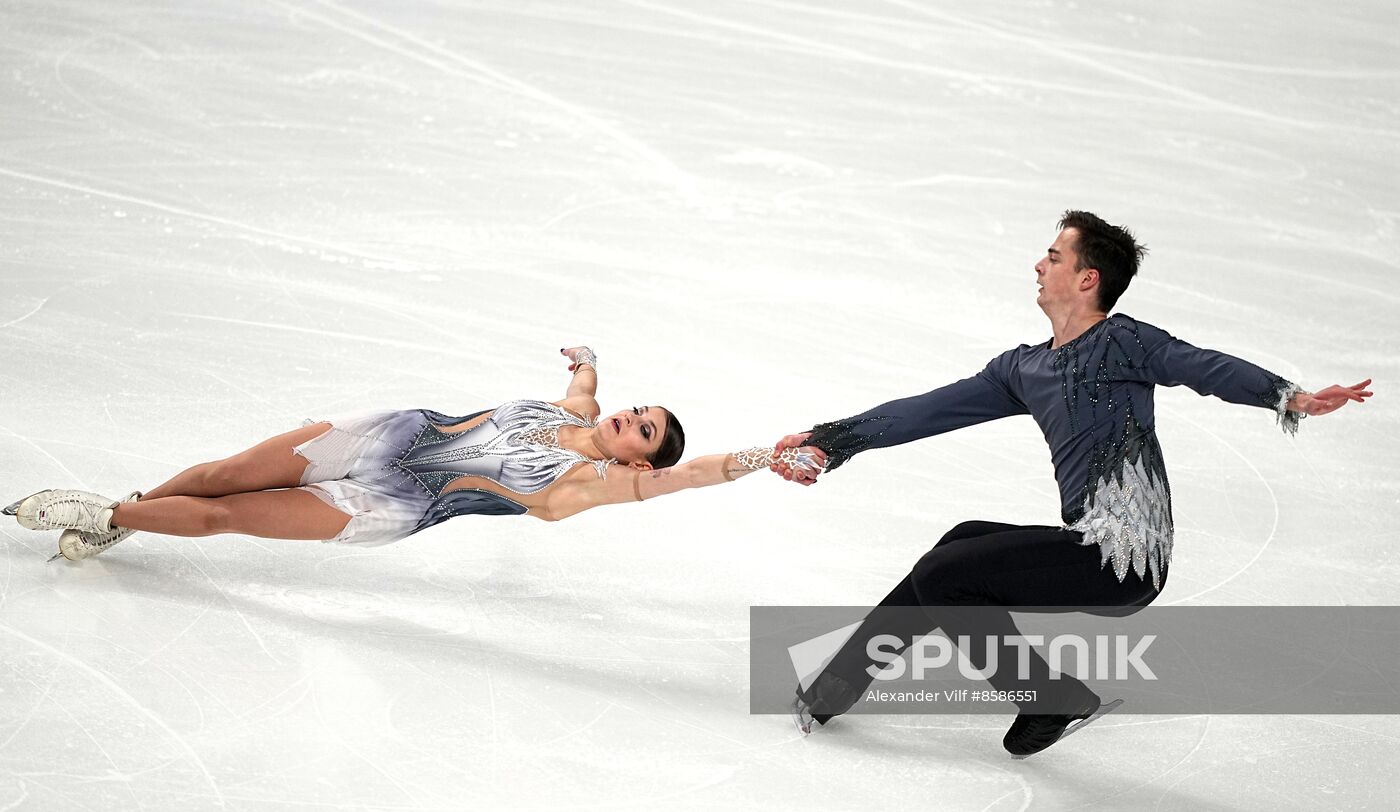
{"type": "Point", "coordinates": [1092, 399]}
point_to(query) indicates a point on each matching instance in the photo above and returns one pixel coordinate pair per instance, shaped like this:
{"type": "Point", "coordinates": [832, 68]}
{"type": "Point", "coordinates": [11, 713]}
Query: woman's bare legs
{"type": "Point", "coordinates": [236, 495]}
{"type": "Point", "coordinates": [285, 514]}
{"type": "Point", "coordinates": [269, 464]}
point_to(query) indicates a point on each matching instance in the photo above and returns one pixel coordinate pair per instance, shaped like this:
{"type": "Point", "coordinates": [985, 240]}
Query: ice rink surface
{"type": "Point", "coordinates": [220, 218]}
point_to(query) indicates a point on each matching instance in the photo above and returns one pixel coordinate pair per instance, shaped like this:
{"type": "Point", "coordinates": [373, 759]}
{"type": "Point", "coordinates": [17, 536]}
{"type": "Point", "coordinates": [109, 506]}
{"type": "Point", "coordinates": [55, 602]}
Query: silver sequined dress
{"type": "Point", "coordinates": [1093, 401]}
{"type": "Point", "coordinates": [390, 470]}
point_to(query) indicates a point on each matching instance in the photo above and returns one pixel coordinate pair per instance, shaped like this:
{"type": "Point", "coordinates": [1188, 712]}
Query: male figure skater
{"type": "Point", "coordinates": [1090, 390]}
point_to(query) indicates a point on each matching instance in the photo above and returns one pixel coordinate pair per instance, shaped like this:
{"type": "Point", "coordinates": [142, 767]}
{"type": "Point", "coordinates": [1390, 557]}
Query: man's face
{"type": "Point", "coordinates": [1055, 272]}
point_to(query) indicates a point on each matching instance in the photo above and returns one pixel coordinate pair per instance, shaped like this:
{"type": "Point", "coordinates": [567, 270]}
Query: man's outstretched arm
{"type": "Point", "coordinates": [988, 395]}
{"type": "Point", "coordinates": [1172, 362]}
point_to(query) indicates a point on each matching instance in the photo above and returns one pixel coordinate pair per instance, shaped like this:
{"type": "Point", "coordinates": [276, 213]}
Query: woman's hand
{"type": "Point", "coordinates": [1330, 399]}
{"type": "Point", "coordinates": [584, 382]}
{"type": "Point", "coordinates": [578, 355]}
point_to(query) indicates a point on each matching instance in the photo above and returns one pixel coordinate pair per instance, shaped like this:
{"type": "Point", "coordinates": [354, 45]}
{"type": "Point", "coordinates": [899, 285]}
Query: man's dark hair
{"type": "Point", "coordinates": [1110, 249]}
{"type": "Point", "coordinates": [672, 444]}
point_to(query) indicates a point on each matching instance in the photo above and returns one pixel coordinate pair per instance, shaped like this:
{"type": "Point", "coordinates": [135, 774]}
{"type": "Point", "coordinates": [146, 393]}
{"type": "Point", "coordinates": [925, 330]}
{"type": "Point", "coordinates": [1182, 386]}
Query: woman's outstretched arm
{"type": "Point", "coordinates": [584, 364]}
{"type": "Point", "coordinates": [584, 386]}
{"type": "Point", "coordinates": [631, 485]}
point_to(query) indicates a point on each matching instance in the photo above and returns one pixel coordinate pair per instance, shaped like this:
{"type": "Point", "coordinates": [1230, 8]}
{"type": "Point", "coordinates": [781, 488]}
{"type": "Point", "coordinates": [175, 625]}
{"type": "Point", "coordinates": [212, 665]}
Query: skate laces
{"type": "Point", "coordinates": [99, 540]}
{"type": "Point", "coordinates": [72, 511]}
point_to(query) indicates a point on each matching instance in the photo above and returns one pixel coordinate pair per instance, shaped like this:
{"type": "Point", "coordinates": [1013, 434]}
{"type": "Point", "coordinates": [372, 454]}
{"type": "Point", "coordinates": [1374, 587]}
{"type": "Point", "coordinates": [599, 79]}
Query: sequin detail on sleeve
{"type": "Point", "coordinates": [1276, 397]}
{"type": "Point", "coordinates": [840, 440]}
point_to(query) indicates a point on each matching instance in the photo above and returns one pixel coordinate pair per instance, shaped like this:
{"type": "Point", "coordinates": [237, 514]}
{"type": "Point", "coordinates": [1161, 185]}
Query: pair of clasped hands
{"type": "Point", "coordinates": [801, 474]}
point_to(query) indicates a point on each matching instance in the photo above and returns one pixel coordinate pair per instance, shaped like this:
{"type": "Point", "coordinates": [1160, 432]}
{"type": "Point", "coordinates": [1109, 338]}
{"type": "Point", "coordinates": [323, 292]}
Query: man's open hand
{"type": "Point", "coordinates": [1330, 399]}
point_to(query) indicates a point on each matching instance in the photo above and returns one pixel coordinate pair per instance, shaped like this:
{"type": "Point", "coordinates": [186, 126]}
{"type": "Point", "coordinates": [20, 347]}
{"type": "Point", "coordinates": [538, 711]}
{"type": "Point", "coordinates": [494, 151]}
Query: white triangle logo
{"type": "Point", "coordinates": [810, 657]}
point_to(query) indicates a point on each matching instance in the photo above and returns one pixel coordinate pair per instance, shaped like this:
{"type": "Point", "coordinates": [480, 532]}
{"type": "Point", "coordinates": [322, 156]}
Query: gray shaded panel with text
{"type": "Point", "coordinates": [1167, 660]}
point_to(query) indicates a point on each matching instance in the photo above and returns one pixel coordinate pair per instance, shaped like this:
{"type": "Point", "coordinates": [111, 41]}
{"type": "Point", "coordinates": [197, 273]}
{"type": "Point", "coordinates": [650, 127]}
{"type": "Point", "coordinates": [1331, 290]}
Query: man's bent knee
{"type": "Point", "coordinates": [940, 579]}
{"type": "Point", "coordinates": [965, 530]}
{"type": "Point", "coordinates": [932, 566]}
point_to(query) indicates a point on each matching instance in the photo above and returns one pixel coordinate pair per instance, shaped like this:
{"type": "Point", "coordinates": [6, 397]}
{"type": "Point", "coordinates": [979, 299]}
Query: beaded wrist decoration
{"type": "Point", "coordinates": [758, 457]}
{"type": "Point", "coordinates": [585, 356]}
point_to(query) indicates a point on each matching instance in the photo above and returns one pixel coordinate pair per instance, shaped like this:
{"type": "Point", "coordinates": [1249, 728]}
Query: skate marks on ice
{"type": "Point", "coordinates": [453, 63]}
{"type": "Point", "coordinates": [333, 249]}
{"type": "Point", "coordinates": [1274, 509]}
{"type": "Point", "coordinates": [35, 309]}
{"type": "Point", "coordinates": [107, 685]}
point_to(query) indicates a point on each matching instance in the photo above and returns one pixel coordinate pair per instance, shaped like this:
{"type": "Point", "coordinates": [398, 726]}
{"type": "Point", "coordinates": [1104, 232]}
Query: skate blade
{"type": "Point", "coordinates": [1105, 708]}
{"type": "Point", "coordinates": [796, 716]}
{"type": "Point", "coordinates": [12, 510]}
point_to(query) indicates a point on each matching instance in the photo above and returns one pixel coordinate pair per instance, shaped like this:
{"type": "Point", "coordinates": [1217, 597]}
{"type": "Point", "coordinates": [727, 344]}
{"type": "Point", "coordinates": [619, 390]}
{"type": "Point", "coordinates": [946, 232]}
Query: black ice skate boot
{"type": "Point", "coordinates": [827, 697]}
{"type": "Point", "coordinates": [1031, 733]}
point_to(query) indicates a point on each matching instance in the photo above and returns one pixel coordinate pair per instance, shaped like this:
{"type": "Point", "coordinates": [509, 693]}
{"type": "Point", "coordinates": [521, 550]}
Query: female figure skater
{"type": "Point", "coordinates": [378, 477]}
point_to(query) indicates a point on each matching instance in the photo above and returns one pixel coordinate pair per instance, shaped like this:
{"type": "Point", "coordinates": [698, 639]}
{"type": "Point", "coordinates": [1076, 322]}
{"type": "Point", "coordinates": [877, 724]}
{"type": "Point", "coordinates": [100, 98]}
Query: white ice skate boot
{"type": "Point", "coordinates": [64, 510]}
{"type": "Point", "coordinates": [23, 510]}
{"type": "Point", "coordinates": [75, 544]}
